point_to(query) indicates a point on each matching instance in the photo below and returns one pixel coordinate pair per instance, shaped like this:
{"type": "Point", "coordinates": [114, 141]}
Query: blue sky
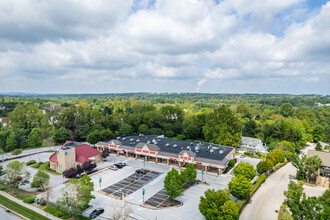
{"type": "Point", "coordinates": [228, 46]}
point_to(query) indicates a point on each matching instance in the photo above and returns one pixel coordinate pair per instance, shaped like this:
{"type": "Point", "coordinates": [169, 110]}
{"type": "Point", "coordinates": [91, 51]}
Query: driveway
{"type": "Point", "coordinates": [269, 196]}
{"type": "Point", "coordinates": [250, 160]}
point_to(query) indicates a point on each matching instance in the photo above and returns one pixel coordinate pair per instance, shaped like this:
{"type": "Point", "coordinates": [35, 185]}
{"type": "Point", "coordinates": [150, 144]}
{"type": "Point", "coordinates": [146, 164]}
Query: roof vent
{"type": "Point", "coordinates": [137, 140]}
{"type": "Point", "coordinates": [175, 145]}
{"type": "Point", "coordinates": [124, 138]}
{"type": "Point", "coordinates": [167, 145]}
{"type": "Point", "coordinates": [191, 143]}
{"type": "Point", "coordinates": [221, 152]}
{"type": "Point", "coordinates": [118, 138]}
{"type": "Point", "coordinates": [131, 139]}
{"type": "Point", "coordinates": [211, 151]}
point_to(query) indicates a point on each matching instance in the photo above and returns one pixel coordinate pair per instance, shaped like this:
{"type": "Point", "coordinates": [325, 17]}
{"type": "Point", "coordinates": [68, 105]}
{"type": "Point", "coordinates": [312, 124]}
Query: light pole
{"type": "Point", "coordinates": [100, 181]}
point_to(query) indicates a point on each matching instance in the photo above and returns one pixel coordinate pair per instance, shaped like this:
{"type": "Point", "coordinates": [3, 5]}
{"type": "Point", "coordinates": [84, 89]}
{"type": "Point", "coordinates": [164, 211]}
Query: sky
{"type": "Point", "coordinates": [209, 46]}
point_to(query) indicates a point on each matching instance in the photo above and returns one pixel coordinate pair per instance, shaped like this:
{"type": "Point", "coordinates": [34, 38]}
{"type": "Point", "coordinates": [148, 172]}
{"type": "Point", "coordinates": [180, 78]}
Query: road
{"type": "Point", "coordinates": [269, 196]}
{"type": "Point", "coordinates": [8, 215]}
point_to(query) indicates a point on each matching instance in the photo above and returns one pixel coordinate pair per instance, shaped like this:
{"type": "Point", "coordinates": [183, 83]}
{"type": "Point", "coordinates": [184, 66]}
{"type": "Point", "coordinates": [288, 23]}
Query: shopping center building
{"type": "Point", "coordinates": [150, 147]}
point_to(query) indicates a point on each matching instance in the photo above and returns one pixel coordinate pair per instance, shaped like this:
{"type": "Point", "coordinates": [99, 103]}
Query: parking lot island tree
{"type": "Point", "coordinates": [240, 186]}
{"type": "Point", "coordinates": [246, 170]}
{"type": "Point", "coordinates": [40, 180]}
{"type": "Point", "coordinates": [218, 205]}
{"type": "Point", "coordinates": [173, 183]}
{"type": "Point", "coordinates": [189, 174]}
{"type": "Point", "coordinates": [16, 174]}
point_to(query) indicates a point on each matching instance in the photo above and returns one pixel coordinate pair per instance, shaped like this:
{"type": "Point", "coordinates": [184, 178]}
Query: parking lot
{"type": "Point", "coordinates": [157, 199]}
{"type": "Point", "coordinates": [131, 184]}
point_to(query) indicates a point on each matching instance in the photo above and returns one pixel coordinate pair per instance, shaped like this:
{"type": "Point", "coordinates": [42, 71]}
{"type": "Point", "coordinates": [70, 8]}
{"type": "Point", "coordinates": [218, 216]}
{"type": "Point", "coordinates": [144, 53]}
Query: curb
{"type": "Point", "coordinates": [19, 215]}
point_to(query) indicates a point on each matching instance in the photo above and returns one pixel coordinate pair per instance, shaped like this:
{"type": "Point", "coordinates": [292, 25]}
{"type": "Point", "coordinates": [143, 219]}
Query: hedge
{"type": "Point", "coordinates": [16, 152]}
{"type": "Point", "coordinates": [28, 200]}
{"type": "Point", "coordinates": [53, 211]}
{"type": "Point", "coordinates": [31, 162]}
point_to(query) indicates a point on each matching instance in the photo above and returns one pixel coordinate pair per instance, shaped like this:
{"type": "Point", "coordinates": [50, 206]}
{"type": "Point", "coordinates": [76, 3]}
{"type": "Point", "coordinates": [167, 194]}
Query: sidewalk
{"type": "Point", "coordinates": [20, 202]}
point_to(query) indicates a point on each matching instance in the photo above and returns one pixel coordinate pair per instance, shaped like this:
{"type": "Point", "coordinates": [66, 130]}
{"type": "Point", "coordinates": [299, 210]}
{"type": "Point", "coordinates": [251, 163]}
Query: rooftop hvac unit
{"type": "Point", "coordinates": [196, 148]}
{"type": "Point", "coordinates": [124, 138]}
{"type": "Point", "coordinates": [191, 143]}
{"type": "Point", "coordinates": [137, 140]}
{"type": "Point", "coordinates": [118, 138]}
{"type": "Point", "coordinates": [131, 139]}
{"type": "Point", "coordinates": [215, 148]}
{"type": "Point", "coordinates": [155, 142]}
{"type": "Point", "coordinates": [148, 142]}
{"type": "Point", "coordinates": [221, 152]}
{"type": "Point", "coordinates": [167, 145]}
{"type": "Point", "coordinates": [175, 145]}
{"type": "Point", "coordinates": [211, 151]}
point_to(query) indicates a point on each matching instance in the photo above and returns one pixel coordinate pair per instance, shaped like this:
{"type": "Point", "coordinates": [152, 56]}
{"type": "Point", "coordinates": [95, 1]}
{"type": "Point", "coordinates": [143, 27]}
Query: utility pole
{"type": "Point", "coordinates": [123, 206]}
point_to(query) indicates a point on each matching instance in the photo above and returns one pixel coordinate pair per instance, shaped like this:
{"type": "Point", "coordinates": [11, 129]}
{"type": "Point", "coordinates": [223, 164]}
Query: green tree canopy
{"type": "Point", "coordinates": [16, 173]}
{"type": "Point", "coordinates": [60, 135]}
{"type": "Point", "coordinates": [40, 180]}
{"type": "Point", "coordinates": [286, 109]}
{"type": "Point", "coordinates": [218, 205]}
{"type": "Point", "coordinates": [125, 129]}
{"type": "Point", "coordinates": [240, 186]}
{"type": "Point", "coordinates": [246, 170]}
{"type": "Point", "coordinates": [318, 133]}
{"type": "Point", "coordinates": [34, 139]}
{"type": "Point", "coordinates": [173, 183]}
{"type": "Point", "coordinates": [189, 174]}
{"type": "Point", "coordinates": [223, 127]}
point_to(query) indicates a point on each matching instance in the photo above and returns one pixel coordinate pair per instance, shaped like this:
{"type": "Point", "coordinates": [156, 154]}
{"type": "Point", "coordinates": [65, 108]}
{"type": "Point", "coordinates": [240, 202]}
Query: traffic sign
{"type": "Point", "coordinates": [2, 153]}
{"type": "Point", "coordinates": [202, 171]}
{"type": "Point", "coordinates": [100, 180]}
{"type": "Point", "coordinates": [143, 192]}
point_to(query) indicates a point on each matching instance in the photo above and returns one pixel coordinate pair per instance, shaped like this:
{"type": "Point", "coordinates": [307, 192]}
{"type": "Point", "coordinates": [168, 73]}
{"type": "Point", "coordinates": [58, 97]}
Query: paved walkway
{"type": "Point", "coordinates": [20, 202]}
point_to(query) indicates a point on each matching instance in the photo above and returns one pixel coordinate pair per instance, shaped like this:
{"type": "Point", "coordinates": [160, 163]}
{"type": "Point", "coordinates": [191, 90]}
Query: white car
{"type": "Point", "coordinates": [113, 167]}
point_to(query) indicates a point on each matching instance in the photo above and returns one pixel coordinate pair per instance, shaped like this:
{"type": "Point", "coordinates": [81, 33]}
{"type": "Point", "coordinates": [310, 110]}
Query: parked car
{"type": "Point", "coordinates": [122, 164]}
{"type": "Point", "coordinates": [141, 171]}
{"type": "Point", "coordinates": [118, 166]}
{"type": "Point", "coordinates": [242, 156]}
{"type": "Point", "coordinates": [113, 167]}
{"type": "Point", "coordinates": [96, 213]}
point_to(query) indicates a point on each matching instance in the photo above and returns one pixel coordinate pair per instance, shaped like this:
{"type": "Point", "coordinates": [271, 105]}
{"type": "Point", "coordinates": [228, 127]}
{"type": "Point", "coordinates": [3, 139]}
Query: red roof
{"type": "Point", "coordinates": [83, 152]}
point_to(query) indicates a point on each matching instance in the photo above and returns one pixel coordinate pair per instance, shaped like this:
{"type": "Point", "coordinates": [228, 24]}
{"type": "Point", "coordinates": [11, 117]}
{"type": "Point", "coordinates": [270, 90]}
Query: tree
{"type": "Point", "coordinates": [312, 164]}
{"type": "Point", "coordinates": [240, 187]}
{"type": "Point", "coordinates": [286, 109]}
{"type": "Point", "coordinates": [40, 180]}
{"type": "Point", "coordinates": [70, 173]}
{"type": "Point", "coordinates": [246, 170]}
{"type": "Point", "coordinates": [218, 205]}
{"type": "Point", "coordinates": [318, 133]}
{"type": "Point", "coordinates": [77, 193]}
{"type": "Point", "coordinates": [1, 171]}
{"type": "Point", "coordinates": [223, 127]}
{"type": "Point", "coordinates": [173, 183]}
{"type": "Point", "coordinates": [93, 137]}
{"type": "Point", "coordinates": [264, 165]}
{"type": "Point", "coordinates": [125, 129]}
{"type": "Point", "coordinates": [60, 135]}
{"type": "Point", "coordinates": [143, 128]}
{"type": "Point", "coordinates": [88, 166]}
{"type": "Point", "coordinates": [16, 139]}
{"type": "Point", "coordinates": [34, 138]}
{"type": "Point", "coordinates": [16, 174]}
{"type": "Point", "coordinates": [302, 207]}
{"type": "Point", "coordinates": [105, 153]}
{"type": "Point", "coordinates": [189, 174]}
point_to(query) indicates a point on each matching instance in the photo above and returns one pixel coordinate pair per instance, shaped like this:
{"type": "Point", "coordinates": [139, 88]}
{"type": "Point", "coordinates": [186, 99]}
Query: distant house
{"type": "Point", "coordinates": [72, 154]}
{"type": "Point", "coordinates": [249, 144]}
{"type": "Point", "coordinates": [324, 172]}
{"type": "Point", "coordinates": [51, 107]}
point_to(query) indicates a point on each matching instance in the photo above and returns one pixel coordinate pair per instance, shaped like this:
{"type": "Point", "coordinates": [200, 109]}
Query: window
{"type": "Point", "coordinates": [325, 171]}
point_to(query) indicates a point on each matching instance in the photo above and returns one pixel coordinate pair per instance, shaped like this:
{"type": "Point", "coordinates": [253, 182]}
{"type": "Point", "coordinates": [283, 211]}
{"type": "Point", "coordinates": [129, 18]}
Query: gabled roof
{"type": "Point", "coordinates": [189, 152]}
{"type": "Point", "coordinates": [324, 156]}
{"type": "Point", "coordinates": [249, 141]}
{"type": "Point", "coordinates": [150, 146]}
{"type": "Point", "coordinates": [82, 153]}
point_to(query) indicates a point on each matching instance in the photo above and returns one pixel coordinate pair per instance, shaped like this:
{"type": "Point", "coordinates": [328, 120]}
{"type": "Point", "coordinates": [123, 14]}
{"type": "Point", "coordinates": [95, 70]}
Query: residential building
{"type": "Point", "coordinates": [324, 172]}
{"type": "Point", "coordinates": [150, 147]}
{"type": "Point", "coordinates": [249, 144]}
{"type": "Point", "coordinates": [72, 154]}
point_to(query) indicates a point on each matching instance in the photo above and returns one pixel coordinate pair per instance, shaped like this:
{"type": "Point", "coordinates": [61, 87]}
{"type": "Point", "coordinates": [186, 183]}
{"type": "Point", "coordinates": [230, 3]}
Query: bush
{"type": "Point", "coordinates": [231, 164]}
{"type": "Point", "coordinates": [31, 162]}
{"type": "Point", "coordinates": [28, 200]}
{"type": "Point", "coordinates": [261, 178]}
{"type": "Point", "coordinates": [181, 137]}
{"type": "Point", "coordinates": [17, 152]}
{"type": "Point", "coordinates": [70, 173]}
{"type": "Point", "coordinates": [53, 211]}
{"type": "Point", "coordinates": [248, 153]}
{"type": "Point", "coordinates": [43, 203]}
{"type": "Point", "coordinates": [45, 166]}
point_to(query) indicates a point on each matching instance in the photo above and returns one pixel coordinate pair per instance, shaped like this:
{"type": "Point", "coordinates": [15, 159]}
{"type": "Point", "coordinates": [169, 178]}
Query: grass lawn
{"type": "Point", "coordinates": [20, 209]}
{"type": "Point", "coordinates": [284, 214]}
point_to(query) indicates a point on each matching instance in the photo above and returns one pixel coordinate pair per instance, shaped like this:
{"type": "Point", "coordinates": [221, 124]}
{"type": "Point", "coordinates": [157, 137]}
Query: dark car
{"type": "Point", "coordinates": [118, 165]}
{"type": "Point", "coordinates": [122, 164]}
{"type": "Point", "coordinates": [96, 213]}
{"type": "Point", "coordinates": [141, 171]}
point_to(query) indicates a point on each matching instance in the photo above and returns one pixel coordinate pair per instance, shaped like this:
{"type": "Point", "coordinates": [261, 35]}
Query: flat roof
{"type": "Point", "coordinates": [173, 146]}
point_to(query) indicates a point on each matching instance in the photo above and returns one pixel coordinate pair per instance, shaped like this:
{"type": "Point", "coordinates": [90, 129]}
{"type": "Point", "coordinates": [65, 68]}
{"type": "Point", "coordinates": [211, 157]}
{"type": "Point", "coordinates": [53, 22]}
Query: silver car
{"type": "Point", "coordinates": [113, 167]}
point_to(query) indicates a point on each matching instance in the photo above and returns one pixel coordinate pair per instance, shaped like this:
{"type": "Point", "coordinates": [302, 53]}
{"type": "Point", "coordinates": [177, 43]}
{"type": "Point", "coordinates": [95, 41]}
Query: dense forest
{"type": "Point", "coordinates": [280, 121]}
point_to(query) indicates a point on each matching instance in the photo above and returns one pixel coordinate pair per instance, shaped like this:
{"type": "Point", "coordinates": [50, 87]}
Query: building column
{"type": "Point", "coordinates": [168, 161]}
{"type": "Point", "coordinates": [135, 156]}
{"type": "Point", "coordinates": [205, 169]}
{"type": "Point", "coordinates": [117, 152]}
{"type": "Point", "coordinates": [179, 164]}
{"type": "Point", "coordinates": [146, 158]}
{"type": "Point", "coordinates": [220, 171]}
{"type": "Point", "coordinates": [156, 159]}
{"type": "Point", "coordinates": [126, 153]}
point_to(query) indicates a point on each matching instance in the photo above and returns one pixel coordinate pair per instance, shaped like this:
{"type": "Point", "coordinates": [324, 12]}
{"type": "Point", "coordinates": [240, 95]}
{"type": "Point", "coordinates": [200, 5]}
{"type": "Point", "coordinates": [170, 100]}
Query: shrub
{"type": "Point", "coordinates": [53, 211]}
{"type": "Point", "coordinates": [70, 173]}
{"type": "Point", "coordinates": [43, 203]}
{"type": "Point", "coordinates": [248, 153]}
{"type": "Point", "coordinates": [31, 162]}
{"type": "Point", "coordinates": [181, 137]}
{"type": "Point", "coordinates": [28, 200]}
{"type": "Point", "coordinates": [45, 166]}
{"type": "Point", "coordinates": [261, 178]}
{"type": "Point", "coordinates": [17, 152]}
{"type": "Point", "coordinates": [231, 164]}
